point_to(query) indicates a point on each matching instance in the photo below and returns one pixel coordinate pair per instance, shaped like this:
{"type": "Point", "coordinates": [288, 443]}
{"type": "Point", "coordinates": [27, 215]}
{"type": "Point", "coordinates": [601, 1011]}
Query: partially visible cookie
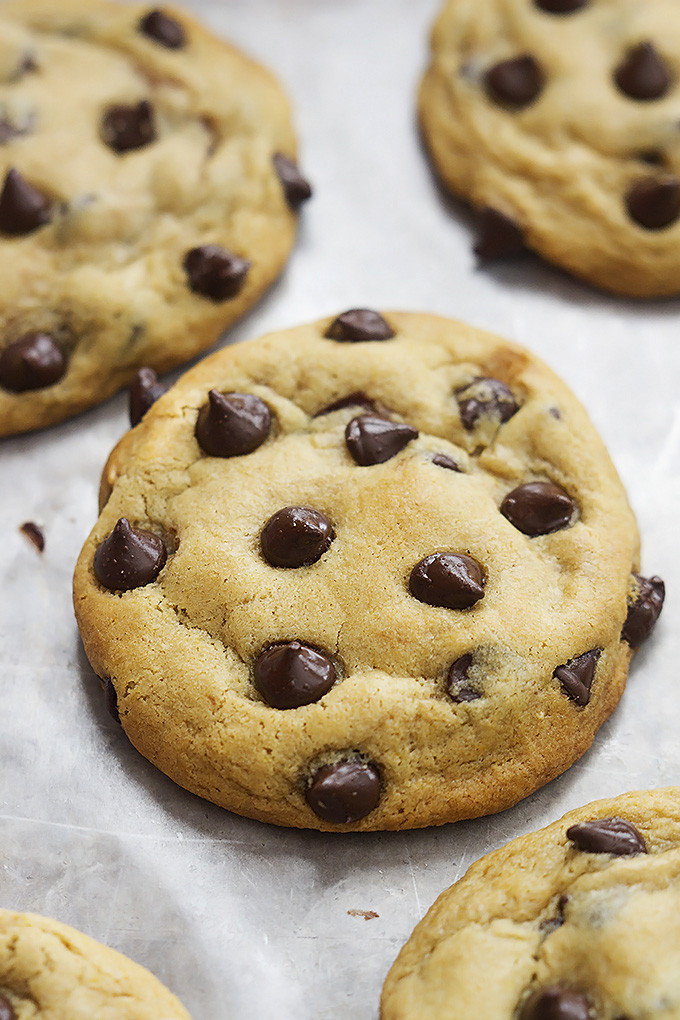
{"type": "Point", "coordinates": [51, 971]}
{"type": "Point", "coordinates": [558, 121]}
{"type": "Point", "coordinates": [366, 573]}
{"type": "Point", "coordinates": [579, 921]}
{"type": "Point", "coordinates": [148, 196]}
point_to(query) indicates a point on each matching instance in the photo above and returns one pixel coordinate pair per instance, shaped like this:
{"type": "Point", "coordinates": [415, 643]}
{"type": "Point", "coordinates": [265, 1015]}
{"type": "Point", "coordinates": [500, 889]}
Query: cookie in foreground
{"type": "Point", "coordinates": [50, 970]}
{"type": "Point", "coordinates": [557, 120]}
{"type": "Point", "coordinates": [148, 196]}
{"type": "Point", "coordinates": [578, 921]}
{"type": "Point", "coordinates": [375, 572]}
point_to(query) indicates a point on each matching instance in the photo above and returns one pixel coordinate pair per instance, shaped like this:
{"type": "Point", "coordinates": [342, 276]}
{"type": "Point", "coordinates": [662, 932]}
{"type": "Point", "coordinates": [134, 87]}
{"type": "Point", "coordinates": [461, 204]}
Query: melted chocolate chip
{"type": "Point", "coordinates": [457, 681]}
{"type": "Point", "coordinates": [232, 424]}
{"type": "Point", "coordinates": [34, 535]}
{"type": "Point", "coordinates": [485, 398]}
{"type": "Point", "coordinates": [372, 440]}
{"type": "Point", "coordinates": [576, 676]}
{"type": "Point", "coordinates": [31, 362]}
{"type": "Point", "coordinates": [358, 326]}
{"type": "Point", "coordinates": [291, 674]}
{"type": "Point", "coordinates": [443, 461]}
{"type": "Point", "coordinates": [163, 29]}
{"type": "Point", "coordinates": [125, 128]}
{"type": "Point", "coordinates": [608, 836]}
{"type": "Point", "coordinates": [144, 391]}
{"type": "Point", "coordinates": [643, 610]}
{"type": "Point", "coordinates": [215, 273]}
{"type": "Point", "coordinates": [556, 1003]}
{"type": "Point", "coordinates": [23, 208]}
{"type": "Point", "coordinates": [296, 188]}
{"type": "Point", "coordinates": [643, 74]}
{"type": "Point", "coordinates": [344, 791]}
{"type": "Point", "coordinates": [498, 237]}
{"type": "Point", "coordinates": [451, 580]}
{"type": "Point", "coordinates": [654, 202]}
{"type": "Point", "coordinates": [129, 557]}
{"type": "Point", "coordinates": [515, 83]}
{"type": "Point", "coordinates": [538, 508]}
{"type": "Point", "coordinates": [111, 699]}
{"type": "Point", "coordinates": [357, 399]}
{"type": "Point", "coordinates": [560, 6]}
{"type": "Point", "coordinates": [296, 537]}
{"type": "Point", "coordinates": [551, 924]}
{"type": "Point", "coordinates": [6, 1009]}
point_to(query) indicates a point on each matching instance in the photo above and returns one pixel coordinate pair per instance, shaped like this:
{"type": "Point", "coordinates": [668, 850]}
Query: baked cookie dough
{"type": "Point", "coordinates": [148, 196]}
{"type": "Point", "coordinates": [51, 971]}
{"type": "Point", "coordinates": [558, 121]}
{"type": "Point", "coordinates": [372, 572]}
{"type": "Point", "coordinates": [579, 921]}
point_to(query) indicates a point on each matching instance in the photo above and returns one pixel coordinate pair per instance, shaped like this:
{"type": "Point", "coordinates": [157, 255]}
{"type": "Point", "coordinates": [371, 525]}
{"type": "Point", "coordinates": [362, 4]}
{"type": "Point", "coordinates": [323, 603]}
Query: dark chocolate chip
{"type": "Point", "coordinates": [485, 398]}
{"type": "Point", "coordinates": [31, 362]}
{"type": "Point", "coordinates": [6, 1009]}
{"type": "Point", "coordinates": [498, 237]}
{"type": "Point", "coordinates": [560, 6]}
{"type": "Point", "coordinates": [291, 674]}
{"type": "Point", "coordinates": [576, 676]}
{"type": "Point", "coordinates": [643, 610]}
{"type": "Point", "coordinates": [145, 390]}
{"type": "Point", "coordinates": [125, 128]}
{"type": "Point", "coordinates": [608, 836]}
{"type": "Point", "coordinates": [22, 207]}
{"type": "Point", "coordinates": [551, 924]}
{"type": "Point", "coordinates": [357, 399]}
{"type": "Point", "coordinates": [215, 273]}
{"type": "Point", "coordinates": [296, 537]}
{"type": "Point", "coordinates": [538, 508]}
{"type": "Point", "coordinates": [451, 580]}
{"type": "Point", "coordinates": [163, 29]}
{"type": "Point", "coordinates": [643, 74]}
{"type": "Point", "coordinates": [652, 157]}
{"type": "Point", "coordinates": [557, 1003]}
{"type": "Point", "coordinates": [296, 188]}
{"type": "Point", "coordinates": [232, 424]}
{"type": "Point", "coordinates": [359, 325]}
{"type": "Point", "coordinates": [111, 699]}
{"type": "Point", "coordinates": [444, 461]}
{"type": "Point", "coordinates": [372, 440]}
{"type": "Point", "coordinates": [516, 82]}
{"type": "Point", "coordinates": [34, 534]}
{"type": "Point", "coordinates": [344, 791]}
{"type": "Point", "coordinates": [457, 681]}
{"type": "Point", "coordinates": [129, 557]}
{"type": "Point", "coordinates": [654, 202]}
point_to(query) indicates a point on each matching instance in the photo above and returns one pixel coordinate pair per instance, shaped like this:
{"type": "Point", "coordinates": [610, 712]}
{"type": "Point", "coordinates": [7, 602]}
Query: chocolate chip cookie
{"type": "Point", "coordinates": [579, 921]}
{"type": "Point", "coordinates": [373, 572]}
{"type": "Point", "coordinates": [148, 195]}
{"type": "Point", "coordinates": [558, 120]}
{"type": "Point", "coordinates": [50, 970]}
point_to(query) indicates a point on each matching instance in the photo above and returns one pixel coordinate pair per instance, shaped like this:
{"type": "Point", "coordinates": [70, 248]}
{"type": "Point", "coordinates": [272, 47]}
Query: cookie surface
{"type": "Point", "coordinates": [343, 582]}
{"type": "Point", "coordinates": [148, 196]}
{"type": "Point", "coordinates": [577, 921]}
{"type": "Point", "coordinates": [557, 120]}
{"type": "Point", "coordinates": [50, 970]}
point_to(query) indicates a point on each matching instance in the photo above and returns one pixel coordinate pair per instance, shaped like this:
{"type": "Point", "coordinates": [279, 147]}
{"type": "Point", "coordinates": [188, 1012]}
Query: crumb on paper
{"type": "Point", "coordinates": [34, 534]}
{"type": "Point", "coordinates": [367, 915]}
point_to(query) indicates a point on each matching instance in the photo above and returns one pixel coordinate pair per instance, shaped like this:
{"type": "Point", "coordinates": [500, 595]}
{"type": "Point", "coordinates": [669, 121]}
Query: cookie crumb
{"type": "Point", "coordinates": [34, 534]}
{"type": "Point", "coordinates": [367, 915]}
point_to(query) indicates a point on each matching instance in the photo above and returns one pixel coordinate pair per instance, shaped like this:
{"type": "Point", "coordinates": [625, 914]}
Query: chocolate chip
{"type": "Point", "coordinates": [498, 237]}
{"type": "Point", "coordinates": [443, 461]}
{"type": "Point", "coordinates": [643, 610]}
{"type": "Point", "coordinates": [344, 791]}
{"type": "Point", "coordinates": [31, 362]}
{"type": "Point", "coordinates": [291, 674]}
{"type": "Point", "coordinates": [129, 557]}
{"type": "Point", "coordinates": [557, 1003]}
{"type": "Point", "coordinates": [551, 924]}
{"type": "Point", "coordinates": [232, 424]}
{"type": "Point", "coordinates": [515, 83]}
{"type": "Point", "coordinates": [485, 398]}
{"type": "Point", "coordinates": [22, 207]}
{"type": "Point", "coordinates": [643, 74]}
{"type": "Point", "coordinates": [560, 6]}
{"type": "Point", "coordinates": [125, 128]}
{"type": "Point", "coordinates": [296, 537]}
{"type": "Point", "coordinates": [163, 29]}
{"type": "Point", "coordinates": [215, 273]}
{"type": "Point", "coordinates": [296, 188]}
{"type": "Point", "coordinates": [359, 325]}
{"type": "Point", "coordinates": [372, 440]}
{"type": "Point", "coordinates": [608, 836]}
{"type": "Point", "coordinates": [357, 399]}
{"type": "Point", "coordinates": [145, 390]}
{"type": "Point", "coordinates": [457, 681]}
{"type": "Point", "coordinates": [111, 699]}
{"type": "Point", "coordinates": [576, 676]}
{"type": "Point", "coordinates": [538, 508]}
{"type": "Point", "coordinates": [451, 580]}
{"type": "Point", "coordinates": [34, 535]}
{"type": "Point", "coordinates": [6, 1009]}
{"type": "Point", "coordinates": [654, 202]}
